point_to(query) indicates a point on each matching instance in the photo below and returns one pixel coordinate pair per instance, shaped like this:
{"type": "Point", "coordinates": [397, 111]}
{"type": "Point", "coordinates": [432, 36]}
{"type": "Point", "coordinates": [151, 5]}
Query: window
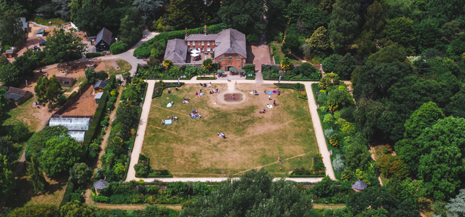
{"type": "Point", "coordinates": [230, 57]}
{"type": "Point", "coordinates": [222, 58]}
{"type": "Point", "coordinates": [208, 43]}
{"type": "Point", "coordinates": [208, 48]}
{"type": "Point", "coordinates": [213, 49]}
{"type": "Point", "coordinates": [188, 43]}
{"type": "Point", "coordinates": [238, 58]}
{"type": "Point", "coordinates": [202, 43]}
{"type": "Point", "coordinates": [202, 49]}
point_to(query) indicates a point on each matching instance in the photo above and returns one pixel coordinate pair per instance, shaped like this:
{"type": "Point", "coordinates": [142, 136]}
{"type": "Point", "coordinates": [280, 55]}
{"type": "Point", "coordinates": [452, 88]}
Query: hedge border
{"type": "Point", "coordinates": [298, 91]}
{"type": "Point", "coordinates": [90, 134]}
{"type": "Point", "coordinates": [171, 84]}
{"type": "Point", "coordinates": [306, 176]}
{"type": "Point", "coordinates": [95, 54]}
{"type": "Point", "coordinates": [67, 195]}
{"type": "Point", "coordinates": [206, 78]}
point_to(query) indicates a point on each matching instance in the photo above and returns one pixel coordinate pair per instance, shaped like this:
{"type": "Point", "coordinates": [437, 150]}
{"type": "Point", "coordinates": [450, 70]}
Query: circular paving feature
{"type": "Point", "coordinates": [227, 97]}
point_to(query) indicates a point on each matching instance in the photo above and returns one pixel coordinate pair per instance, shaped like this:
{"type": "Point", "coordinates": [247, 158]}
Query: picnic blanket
{"type": "Point", "coordinates": [269, 93]}
{"type": "Point", "coordinates": [269, 106]}
{"type": "Point", "coordinates": [169, 105]}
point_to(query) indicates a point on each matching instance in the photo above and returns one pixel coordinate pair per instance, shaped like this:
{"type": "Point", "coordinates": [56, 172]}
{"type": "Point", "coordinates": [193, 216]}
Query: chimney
{"type": "Point", "coordinates": [205, 30]}
{"type": "Point", "coordinates": [186, 33]}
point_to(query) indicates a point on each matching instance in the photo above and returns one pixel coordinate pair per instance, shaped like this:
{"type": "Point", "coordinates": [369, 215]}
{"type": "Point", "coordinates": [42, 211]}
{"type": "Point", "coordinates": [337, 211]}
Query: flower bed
{"type": "Point", "coordinates": [300, 88]}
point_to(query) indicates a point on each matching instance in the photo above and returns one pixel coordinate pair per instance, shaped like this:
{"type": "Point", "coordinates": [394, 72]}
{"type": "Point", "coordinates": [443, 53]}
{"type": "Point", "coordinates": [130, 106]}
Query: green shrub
{"type": "Point", "coordinates": [206, 78]}
{"type": "Point", "coordinates": [67, 195]}
{"type": "Point", "coordinates": [96, 54]}
{"type": "Point", "coordinates": [252, 38]}
{"type": "Point", "coordinates": [90, 134]}
{"type": "Point", "coordinates": [118, 47]}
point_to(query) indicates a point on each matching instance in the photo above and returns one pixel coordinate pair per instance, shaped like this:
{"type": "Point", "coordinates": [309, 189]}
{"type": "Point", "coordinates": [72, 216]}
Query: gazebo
{"type": "Point", "coordinates": [359, 186]}
{"type": "Point", "coordinates": [100, 185]}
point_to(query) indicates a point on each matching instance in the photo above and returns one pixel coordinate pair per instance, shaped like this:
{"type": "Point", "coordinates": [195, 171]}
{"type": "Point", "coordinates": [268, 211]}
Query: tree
{"type": "Point", "coordinates": [441, 161]}
{"type": "Point", "coordinates": [148, 9]}
{"type": "Point", "coordinates": [60, 154]}
{"type": "Point", "coordinates": [38, 210]}
{"type": "Point", "coordinates": [374, 80]}
{"type": "Point", "coordinates": [80, 173]}
{"type": "Point", "coordinates": [366, 116]}
{"type": "Point", "coordinates": [357, 156]}
{"type": "Point", "coordinates": [8, 150]}
{"type": "Point", "coordinates": [456, 48]}
{"type": "Point", "coordinates": [423, 117]}
{"type": "Point", "coordinates": [207, 64]}
{"type": "Point", "coordinates": [254, 194]}
{"type": "Point", "coordinates": [307, 69]}
{"type": "Point", "coordinates": [343, 27]}
{"type": "Point", "coordinates": [184, 14]}
{"type": "Point", "coordinates": [292, 43]}
{"type": "Point", "coordinates": [158, 49]}
{"type": "Point", "coordinates": [36, 176]}
{"type": "Point", "coordinates": [286, 64]}
{"type": "Point", "coordinates": [36, 143]}
{"type": "Point", "coordinates": [90, 75]}
{"type": "Point", "coordinates": [167, 63]}
{"type": "Point", "coordinates": [428, 34]}
{"type": "Point", "coordinates": [10, 75]}
{"type": "Point", "coordinates": [48, 90]}
{"type": "Point", "coordinates": [451, 31]}
{"type": "Point", "coordinates": [339, 98]}
{"type": "Point", "coordinates": [63, 46]}
{"type": "Point", "coordinates": [327, 6]}
{"type": "Point", "coordinates": [389, 54]}
{"type": "Point", "coordinates": [26, 66]}
{"type": "Point", "coordinates": [244, 15]}
{"type": "Point", "coordinates": [11, 32]}
{"type": "Point", "coordinates": [319, 41]}
{"type": "Point", "coordinates": [76, 208]}
{"type": "Point", "coordinates": [390, 165]}
{"type": "Point", "coordinates": [6, 176]}
{"type": "Point", "coordinates": [345, 66]}
{"type": "Point", "coordinates": [89, 18]}
{"type": "Point", "coordinates": [375, 20]}
{"type": "Point", "coordinates": [329, 63]}
{"type": "Point", "coordinates": [313, 18]}
{"type": "Point", "coordinates": [130, 31]}
{"type": "Point", "coordinates": [401, 30]}
{"type": "Point", "coordinates": [456, 205]}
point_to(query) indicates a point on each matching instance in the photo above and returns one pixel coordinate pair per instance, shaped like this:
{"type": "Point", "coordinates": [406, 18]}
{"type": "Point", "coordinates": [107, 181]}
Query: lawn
{"type": "Point", "coordinates": [44, 21]}
{"type": "Point", "coordinates": [32, 117]}
{"type": "Point", "coordinates": [124, 66]}
{"type": "Point", "coordinates": [191, 148]}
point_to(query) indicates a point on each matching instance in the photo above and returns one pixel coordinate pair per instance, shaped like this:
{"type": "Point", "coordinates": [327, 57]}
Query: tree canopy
{"type": "Point", "coordinates": [60, 154]}
{"type": "Point", "coordinates": [243, 15]}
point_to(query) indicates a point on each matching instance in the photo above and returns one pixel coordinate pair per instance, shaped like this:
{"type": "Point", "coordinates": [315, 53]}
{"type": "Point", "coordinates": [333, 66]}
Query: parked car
{"type": "Point", "coordinates": [42, 43]}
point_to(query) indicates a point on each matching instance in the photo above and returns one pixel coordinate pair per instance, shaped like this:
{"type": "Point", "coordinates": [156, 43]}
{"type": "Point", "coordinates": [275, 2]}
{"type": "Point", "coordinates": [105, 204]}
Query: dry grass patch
{"type": "Point", "coordinates": [191, 148]}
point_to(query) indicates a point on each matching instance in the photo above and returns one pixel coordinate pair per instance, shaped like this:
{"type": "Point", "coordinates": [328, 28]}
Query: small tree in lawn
{"type": "Point", "coordinates": [286, 64]}
{"type": "Point", "coordinates": [36, 176]}
{"type": "Point", "coordinates": [48, 90]}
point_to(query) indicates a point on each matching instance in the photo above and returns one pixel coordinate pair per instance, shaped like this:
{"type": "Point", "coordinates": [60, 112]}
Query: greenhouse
{"type": "Point", "coordinates": [77, 135]}
{"type": "Point", "coordinates": [71, 123]}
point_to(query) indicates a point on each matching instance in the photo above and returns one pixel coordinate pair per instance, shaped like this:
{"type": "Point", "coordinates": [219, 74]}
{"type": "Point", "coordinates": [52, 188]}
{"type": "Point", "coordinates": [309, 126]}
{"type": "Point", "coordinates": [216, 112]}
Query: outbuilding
{"type": "Point", "coordinates": [66, 81]}
{"type": "Point", "coordinates": [40, 33]}
{"type": "Point", "coordinates": [359, 186]}
{"type": "Point", "coordinates": [76, 124]}
{"type": "Point", "coordinates": [103, 40]}
{"type": "Point", "coordinates": [17, 96]}
{"type": "Point", "coordinates": [100, 185]}
{"type": "Point", "coordinates": [99, 85]}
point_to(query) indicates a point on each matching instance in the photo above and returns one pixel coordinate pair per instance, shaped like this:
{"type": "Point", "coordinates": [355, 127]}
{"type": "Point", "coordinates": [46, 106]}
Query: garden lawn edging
{"type": "Point", "coordinates": [206, 78]}
{"type": "Point", "coordinates": [300, 88]}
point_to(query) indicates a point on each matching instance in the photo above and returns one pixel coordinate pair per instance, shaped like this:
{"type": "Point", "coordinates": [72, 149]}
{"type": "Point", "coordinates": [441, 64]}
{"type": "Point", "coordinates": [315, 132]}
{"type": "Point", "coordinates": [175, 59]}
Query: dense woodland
{"type": "Point", "coordinates": [405, 60]}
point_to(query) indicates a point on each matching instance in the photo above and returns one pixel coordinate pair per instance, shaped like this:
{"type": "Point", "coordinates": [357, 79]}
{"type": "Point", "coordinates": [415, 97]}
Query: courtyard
{"type": "Point", "coordinates": [191, 147]}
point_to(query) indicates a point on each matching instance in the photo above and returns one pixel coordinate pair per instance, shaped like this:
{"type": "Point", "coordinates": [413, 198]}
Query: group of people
{"type": "Point", "coordinates": [195, 114]}
{"type": "Point", "coordinates": [214, 91]}
{"type": "Point", "coordinates": [199, 94]}
{"type": "Point", "coordinates": [262, 112]}
{"type": "Point", "coordinates": [169, 89]}
{"type": "Point", "coordinates": [221, 135]}
{"type": "Point", "coordinates": [186, 100]}
{"type": "Point", "coordinates": [206, 85]}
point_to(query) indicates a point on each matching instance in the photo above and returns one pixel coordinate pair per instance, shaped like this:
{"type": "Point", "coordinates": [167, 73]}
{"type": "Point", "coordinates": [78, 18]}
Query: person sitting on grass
{"type": "Point", "coordinates": [196, 93]}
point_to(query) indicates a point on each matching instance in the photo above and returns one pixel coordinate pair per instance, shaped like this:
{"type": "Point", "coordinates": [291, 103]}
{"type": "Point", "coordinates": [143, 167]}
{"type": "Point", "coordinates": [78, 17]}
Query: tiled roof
{"type": "Point", "coordinates": [176, 51]}
{"type": "Point", "coordinates": [100, 184]}
{"type": "Point", "coordinates": [230, 41]}
{"type": "Point", "coordinates": [359, 185]}
{"type": "Point", "coordinates": [201, 37]}
{"type": "Point", "coordinates": [100, 84]}
{"type": "Point", "coordinates": [104, 35]}
{"type": "Point", "coordinates": [15, 93]}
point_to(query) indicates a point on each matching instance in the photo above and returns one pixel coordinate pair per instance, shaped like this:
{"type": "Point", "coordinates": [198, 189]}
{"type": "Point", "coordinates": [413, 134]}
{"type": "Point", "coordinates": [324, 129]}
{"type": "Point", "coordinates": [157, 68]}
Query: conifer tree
{"type": "Point", "coordinates": [319, 41]}
{"type": "Point", "coordinates": [36, 176]}
{"type": "Point", "coordinates": [343, 26]}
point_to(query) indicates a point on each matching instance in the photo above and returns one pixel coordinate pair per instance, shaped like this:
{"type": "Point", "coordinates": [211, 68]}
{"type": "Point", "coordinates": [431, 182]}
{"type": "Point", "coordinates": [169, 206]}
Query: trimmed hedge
{"type": "Point", "coordinates": [96, 54]}
{"type": "Point", "coordinates": [294, 79]}
{"type": "Point", "coordinates": [144, 49]}
{"type": "Point", "coordinates": [158, 90]}
{"type": "Point", "coordinates": [67, 195]}
{"type": "Point", "coordinates": [249, 69]}
{"type": "Point", "coordinates": [306, 176]}
{"type": "Point", "coordinates": [206, 78]}
{"type": "Point", "coordinates": [298, 87]}
{"type": "Point", "coordinates": [118, 47]}
{"type": "Point", "coordinates": [83, 83]}
{"type": "Point", "coordinates": [98, 115]}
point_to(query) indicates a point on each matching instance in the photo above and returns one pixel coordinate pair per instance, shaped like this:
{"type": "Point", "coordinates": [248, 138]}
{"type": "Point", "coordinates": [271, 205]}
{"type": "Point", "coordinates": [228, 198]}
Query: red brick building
{"type": "Point", "coordinates": [228, 47]}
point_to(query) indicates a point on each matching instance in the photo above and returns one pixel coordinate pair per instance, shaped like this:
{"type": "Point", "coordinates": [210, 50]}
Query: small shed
{"type": "Point", "coordinates": [98, 96]}
{"type": "Point", "coordinates": [359, 186]}
{"type": "Point", "coordinates": [77, 135]}
{"type": "Point", "coordinates": [80, 124]}
{"type": "Point", "coordinates": [17, 96]}
{"type": "Point", "coordinates": [99, 85]}
{"type": "Point", "coordinates": [100, 185]}
{"type": "Point", "coordinates": [66, 81]}
{"type": "Point", "coordinates": [103, 40]}
{"type": "Point", "coordinates": [40, 33]}
{"type": "Point", "coordinates": [10, 53]}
